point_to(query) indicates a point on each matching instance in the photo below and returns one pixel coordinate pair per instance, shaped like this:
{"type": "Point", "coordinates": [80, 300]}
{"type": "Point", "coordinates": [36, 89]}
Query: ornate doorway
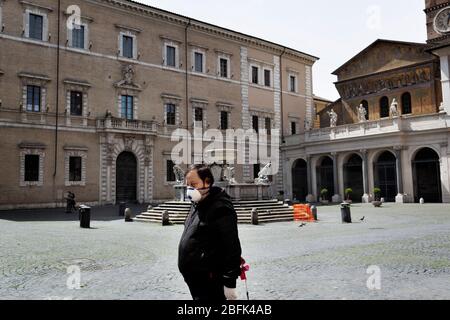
{"type": "Point", "coordinates": [126, 177]}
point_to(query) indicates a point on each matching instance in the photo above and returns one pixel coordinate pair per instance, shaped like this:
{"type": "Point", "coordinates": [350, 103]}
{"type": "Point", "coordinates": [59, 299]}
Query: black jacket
{"type": "Point", "coordinates": [210, 242]}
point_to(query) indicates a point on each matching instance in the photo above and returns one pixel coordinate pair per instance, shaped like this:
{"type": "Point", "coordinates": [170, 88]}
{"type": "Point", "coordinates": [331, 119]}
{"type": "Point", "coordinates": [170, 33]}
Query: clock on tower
{"type": "Point", "coordinates": [442, 21]}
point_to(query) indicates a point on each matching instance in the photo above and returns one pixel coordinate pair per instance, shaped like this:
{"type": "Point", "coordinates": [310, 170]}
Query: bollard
{"type": "Point", "coordinates": [255, 218]}
{"type": "Point", "coordinates": [165, 218]}
{"type": "Point", "coordinates": [122, 209]}
{"type": "Point", "coordinates": [128, 213]}
{"type": "Point", "coordinates": [85, 216]}
{"type": "Point", "coordinates": [345, 213]}
{"type": "Point", "coordinates": [422, 201]}
{"type": "Point", "coordinates": [314, 212]}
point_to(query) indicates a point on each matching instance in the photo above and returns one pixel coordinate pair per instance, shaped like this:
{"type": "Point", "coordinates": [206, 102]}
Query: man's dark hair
{"type": "Point", "coordinates": [204, 173]}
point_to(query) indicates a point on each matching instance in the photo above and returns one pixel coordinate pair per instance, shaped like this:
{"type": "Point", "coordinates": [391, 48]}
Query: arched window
{"type": "Point", "coordinates": [384, 107]}
{"type": "Point", "coordinates": [366, 106]}
{"type": "Point", "coordinates": [406, 103]}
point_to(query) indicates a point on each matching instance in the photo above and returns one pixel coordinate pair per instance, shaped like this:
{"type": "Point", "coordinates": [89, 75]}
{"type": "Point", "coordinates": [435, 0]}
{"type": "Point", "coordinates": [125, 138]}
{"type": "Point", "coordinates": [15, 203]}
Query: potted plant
{"type": "Point", "coordinates": [324, 196]}
{"type": "Point", "coordinates": [348, 195]}
{"type": "Point", "coordinates": [377, 193]}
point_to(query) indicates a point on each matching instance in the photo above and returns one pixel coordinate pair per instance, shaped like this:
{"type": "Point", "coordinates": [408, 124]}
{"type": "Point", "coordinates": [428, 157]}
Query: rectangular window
{"type": "Point", "coordinates": [75, 169]}
{"type": "Point", "coordinates": [170, 173]}
{"type": "Point", "coordinates": [224, 68]}
{"type": "Point", "coordinates": [127, 107]}
{"type": "Point", "coordinates": [224, 120]}
{"type": "Point", "coordinates": [78, 37]}
{"type": "Point", "coordinates": [293, 128]}
{"type": "Point", "coordinates": [76, 103]}
{"type": "Point", "coordinates": [293, 83]}
{"type": "Point", "coordinates": [255, 124]}
{"type": "Point", "coordinates": [170, 56]}
{"type": "Point", "coordinates": [256, 170]}
{"type": "Point", "coordinates": [170, 114]}
{"type": "Point", "coordinates": [255, 71]}
{"type": "Point", "coordinates": [198, 114]}
{"type": "Point", "coordinates": [127, 47]}
{"type": "Point", "coordinates": [267, 78]}
{"type": "Point", "coordinates": [36, 26]}
{"type": "Point", "coordinates": [33, 98]}
{"type": "Point", "coordinates": [198, 62]}
{"type": "Point", "coordinates": [31, 167]}
{"type": "Point", "coordinates": [268, 125]}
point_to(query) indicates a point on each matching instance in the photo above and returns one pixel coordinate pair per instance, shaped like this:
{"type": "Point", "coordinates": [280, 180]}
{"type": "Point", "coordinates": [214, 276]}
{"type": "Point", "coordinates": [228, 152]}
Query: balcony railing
{"type": "Point", "coordinates": [127, 125]}
{"type": "Point", "coordinates": [414, 123]}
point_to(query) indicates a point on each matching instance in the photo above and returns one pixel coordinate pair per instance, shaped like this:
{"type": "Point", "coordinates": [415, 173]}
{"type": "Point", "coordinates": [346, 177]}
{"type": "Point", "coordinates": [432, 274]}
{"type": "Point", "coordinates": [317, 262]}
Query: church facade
{"type": "Point", "coordinates": [388, 135]}
{"type": "Point", "coordinates": [91, 92]}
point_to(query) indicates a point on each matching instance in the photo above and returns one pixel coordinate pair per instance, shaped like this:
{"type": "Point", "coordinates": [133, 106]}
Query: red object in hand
{"type": "Point", "coordinates": [244, 268]}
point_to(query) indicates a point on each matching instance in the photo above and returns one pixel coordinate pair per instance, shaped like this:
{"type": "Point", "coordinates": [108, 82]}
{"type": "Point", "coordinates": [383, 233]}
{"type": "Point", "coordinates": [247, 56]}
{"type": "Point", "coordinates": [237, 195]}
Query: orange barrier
{"type": "Point", "coordinates": [302, 212]}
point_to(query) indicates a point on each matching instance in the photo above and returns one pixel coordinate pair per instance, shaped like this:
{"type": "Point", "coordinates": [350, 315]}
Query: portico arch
{"type": "Point", "coordinates": [300, 180]}
{"type": "Point", "coordinates": [427, 176]}
{"type": "Point", "coordinates": [325, 176]}
{"type": "Point", "coordinates": [385, 175]}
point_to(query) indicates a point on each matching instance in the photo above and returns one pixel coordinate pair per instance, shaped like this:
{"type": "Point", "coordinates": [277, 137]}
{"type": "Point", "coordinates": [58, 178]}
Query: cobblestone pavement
{"type": "Point", "coordinates": [325, 260]}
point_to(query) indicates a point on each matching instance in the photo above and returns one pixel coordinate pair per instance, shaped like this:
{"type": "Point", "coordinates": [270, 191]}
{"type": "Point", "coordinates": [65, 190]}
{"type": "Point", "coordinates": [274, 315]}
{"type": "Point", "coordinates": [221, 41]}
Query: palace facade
{"type": "Point", "coordinates": [391, 129]}
{"type": "Point", "coordinates": [88, 105]}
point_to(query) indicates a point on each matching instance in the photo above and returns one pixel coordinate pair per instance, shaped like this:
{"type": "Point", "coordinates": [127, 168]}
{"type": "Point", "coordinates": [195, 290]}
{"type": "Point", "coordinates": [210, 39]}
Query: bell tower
{"type": "Point", "coordinates": [437, 19]}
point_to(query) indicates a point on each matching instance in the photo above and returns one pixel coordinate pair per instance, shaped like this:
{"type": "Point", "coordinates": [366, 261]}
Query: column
{"type": "Point", "coordinates": [365, 168]}
{"type": "Point", "coordinates": [445, 79]}
{"type": "Point", "coordinates": [400, 198]}
{"type": "Point", "coordinates": [310, 198]}
{"type": "Point", "coordinates": [336, 197]}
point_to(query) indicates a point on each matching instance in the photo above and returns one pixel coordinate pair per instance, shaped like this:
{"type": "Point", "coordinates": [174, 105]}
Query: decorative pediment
{"type": "Point", "coordinates": [381, 56]}
{"type": "Point", "coordinates": [31, 145]}
{"type": "Point", "coordinates": [169, 98]}
{"type": "Point", "coordinates": [261, 112]}
{"type": "Point", "coordinates": [199, 103]}
{"type": "Point", "coordinates": [33, 78]}
{"type": "Point", "coordinates": [385, 82]}
{"type": "Point", "coordinates": [127, 82]}
{"type": "Point", "coordinates": [224, 106]}
{"type": "Point", "coordinates": [28, 4]}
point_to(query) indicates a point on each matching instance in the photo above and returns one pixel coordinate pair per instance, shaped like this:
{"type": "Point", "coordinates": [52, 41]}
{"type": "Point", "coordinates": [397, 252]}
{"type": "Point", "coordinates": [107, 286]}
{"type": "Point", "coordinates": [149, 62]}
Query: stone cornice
{"type": "Point", "coordinates": [207, 28]}
{"type": "Point", "coordinates": [437, 7]}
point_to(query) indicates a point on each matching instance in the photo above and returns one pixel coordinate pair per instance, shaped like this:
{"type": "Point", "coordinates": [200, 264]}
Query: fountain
{"type": "Point", "coordinates": [224, 178]}
{"type": "Point", "coordinates": [252, 201]}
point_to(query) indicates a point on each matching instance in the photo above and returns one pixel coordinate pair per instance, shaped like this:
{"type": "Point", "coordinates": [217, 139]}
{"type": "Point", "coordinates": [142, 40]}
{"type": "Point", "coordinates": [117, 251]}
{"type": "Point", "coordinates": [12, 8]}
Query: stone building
{"type": "Point", "coordinates": [389, 129]}
{"type": "Point", "coordinates": [91, 91]}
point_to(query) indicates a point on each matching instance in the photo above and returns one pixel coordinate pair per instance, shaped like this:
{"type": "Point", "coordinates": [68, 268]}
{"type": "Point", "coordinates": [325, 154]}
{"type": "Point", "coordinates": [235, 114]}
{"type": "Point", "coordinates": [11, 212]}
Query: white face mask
{"type": "Point", "coordinates": [194, 195]}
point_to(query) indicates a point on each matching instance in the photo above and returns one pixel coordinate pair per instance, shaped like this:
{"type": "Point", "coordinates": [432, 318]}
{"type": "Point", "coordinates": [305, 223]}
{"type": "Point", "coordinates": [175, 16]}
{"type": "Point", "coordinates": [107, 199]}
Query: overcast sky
{"type": "Point", "coordinates": [332, 30]}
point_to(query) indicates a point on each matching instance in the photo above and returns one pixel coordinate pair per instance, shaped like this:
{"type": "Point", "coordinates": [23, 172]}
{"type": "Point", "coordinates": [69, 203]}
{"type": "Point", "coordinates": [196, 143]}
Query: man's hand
{"type": "Point", "coordinates": [230, 294]}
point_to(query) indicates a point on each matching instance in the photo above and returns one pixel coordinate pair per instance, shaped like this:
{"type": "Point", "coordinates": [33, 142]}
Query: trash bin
{"type": "Point", "coordinates": [122, 209]}
{"type": "Point", "coordinates": [314, 212]}
{"type": "Point", "coordinates": [345, 213]}
{"type": "Point", "coordinates": [85, 217]}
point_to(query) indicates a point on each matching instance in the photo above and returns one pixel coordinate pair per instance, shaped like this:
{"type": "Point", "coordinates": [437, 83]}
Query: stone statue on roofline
{"type": "Point", "coordinates": [333, 118]}
{"type": "Point", "coordinates": [394, 108]}
{"type": "Point", "coordinates": [362, 114]}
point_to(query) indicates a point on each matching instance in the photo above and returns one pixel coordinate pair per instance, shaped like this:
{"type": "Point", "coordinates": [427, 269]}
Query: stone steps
{"type": "Point", "coordinates": [268, 211]}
